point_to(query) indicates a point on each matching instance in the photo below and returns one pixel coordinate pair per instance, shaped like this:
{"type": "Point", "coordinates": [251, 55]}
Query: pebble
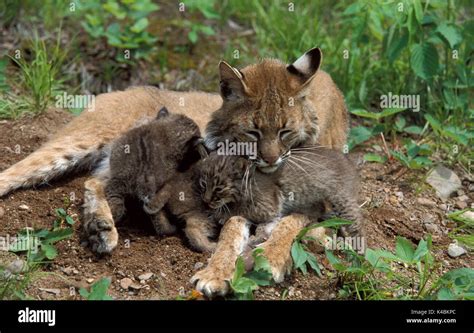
{"type": "Point", "coordinates": [16, 266]}
{"type": "Point", "coordinates": [198, 265]}
{"type": "Point", "coordinates": [163, 274]}
{"type": "Point", "coordinates": [429, 219]}
{"type": "Point", "coordinates": [53, 291]}
{"type": "Point", "coordinates": [432, 228]}
{"type": "Point", "coordinates": [393, 200]}
{"type": "Point", "coordinates": [426, 202]}
{"type": "Point", "coordinates": [468, 215]}
{"type": "Point", "coordinates": [2, 212]}
{"type": "Point", "coordinates": [461, 204]}
{"type": "Point", "coordinates": [24, 207]}
{"type": "Point", "coordinates": [67, 270]}
{"type": "Point", "coordinates": [145, 276]}
{"type": "Point", "coordinates": [454, 250]}
{"type": "Point", "coordinates": [90, 280]}
{"type": "Point", "coordinates": [443, 207]}
{"type": "Point", "coordinates": [399, 195]}
{"type": "Point", "coordinates": [471, 187]}
{"type": "Point", "coordinates": [463, 198]}
{"type": "Point", "coordinates": [444, 181]}
{"type": "Point", "coordinates": [125, 283]}
{"type": "Point", "coordinates": [291, 291]}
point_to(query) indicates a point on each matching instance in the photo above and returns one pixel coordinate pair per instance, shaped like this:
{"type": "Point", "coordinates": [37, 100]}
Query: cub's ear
{"type": "Point", "coordinates": [201, 148]}
{"type": "Point", "coordinates": [307, 65]}
{"type": "Point", "coordinates": [232, 83]}
{"type": "Point", "coordinates": [162, 113]}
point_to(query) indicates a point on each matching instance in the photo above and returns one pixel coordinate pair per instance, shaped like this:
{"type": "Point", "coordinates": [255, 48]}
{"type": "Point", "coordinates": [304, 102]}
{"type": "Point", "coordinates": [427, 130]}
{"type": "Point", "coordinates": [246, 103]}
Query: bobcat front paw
{"type": "Point", "coordinates": [212, 281]}
{"type": "Point", "coordinates": [101, 235]}
{"type": "Point", "coordinates": [280, 261]}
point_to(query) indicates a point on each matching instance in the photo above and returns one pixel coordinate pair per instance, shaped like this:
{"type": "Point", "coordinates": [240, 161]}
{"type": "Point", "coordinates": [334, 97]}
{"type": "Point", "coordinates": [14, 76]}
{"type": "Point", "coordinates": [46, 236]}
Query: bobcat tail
{"type": "Point", "coordinates": [52, 160]}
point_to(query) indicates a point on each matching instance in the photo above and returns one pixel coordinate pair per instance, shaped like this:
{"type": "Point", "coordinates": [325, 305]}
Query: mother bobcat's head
{"type": "Point", "coordinates": [266, 103]}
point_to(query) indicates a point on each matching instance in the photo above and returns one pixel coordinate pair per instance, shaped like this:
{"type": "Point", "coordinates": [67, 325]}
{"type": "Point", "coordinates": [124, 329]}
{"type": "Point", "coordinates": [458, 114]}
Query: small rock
{"type": "Point", "coordinates": [468, 215]}
{"type": "Point", "coordinates": [67, 270]}
{"type": "Point", "coordinates": [125, 283]}
{"type": "Point", "coordinates": [135, 286]}
{"type": "Point", "coordinates": [461, 204]}
{"type": "Point", "coordinates": [163, 274]}
{"type": "Point", "coordinates": [429, 218]}
{"type": "Point", "coordinates": [393, 200]}
{"type": "Point", "coordinates": [90, 280]}
{"type": "Point", "coordinates": [291, 291]}
{"type": "Point", "coordinates": [23, 207]}
{"type": "Point", "coordinates": [399, 195]}
{"type": "Point", "coordinates": [198, 265]}
{"type": "Point", "coordinates": [471, 187]}
{"type": "Point", "coordinates": [432, 228]}
{"type": "Point", "coordinates": [75, 271]}
{"type": "Point", "coordinates": [444, 181]}
{"type": "Point", "coordinates": [145, 276]}
{"type": "Point", "coordinates": [2, 212]}
{"type": "Point", "coordinates": [454, 250]}
{"type": "Point", "coordinates": [463, 198]}
{"type": "Point", "coordinates": [53, 291]}
{"type": "Point", "coordinates": [121, 273]}
{"type": "Point", "coordinates": [443, 207]}
{"type": "Point", "coordinates": [16, 266]}
{"type": "Point", "coordinates": [426, 202]}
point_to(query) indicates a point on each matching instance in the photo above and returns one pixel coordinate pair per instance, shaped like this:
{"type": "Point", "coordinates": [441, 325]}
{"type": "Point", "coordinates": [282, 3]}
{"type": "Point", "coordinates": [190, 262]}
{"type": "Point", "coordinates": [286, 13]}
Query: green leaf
{"type": "Point", "coordinates": [243, 285]}
{"type": "Point", "coordinates": [260, 262]}
{"type": "Point", "coordinates": [424, 60]}
{"type": "Point", "coordinates": [400, 157]}
{"type": "Point", "coordinates": [358, 135]}
{"type": "Point", "coordinates": [365, 114]}
{"type": "Point", "coordinates": [50, 251]}
{"type": "Point", "coordinates": [193, 36]}
{"type": "Point", "coordinates": [375, 259]}
{"type": "Point", "coordinates": [99, 290]}
{"type": "Point", "coordinates": [450, 34]}
{"type": "Point", "coordinates": [369, 157]}
{"type": "Point", "coordinates": [400, 123]}
{"type": "Point", "coordinates": [421, 250]}
{"type": "Point", "coordinates": [404, 250]}
{"type": "Point", "coordinates": [313, 263]}
{"type": "Point", "coordinates": [261, 278]}
{"type": "Point", "coordinates": [418, 10]}
{"type": "Point", "coordinates": [61, 212]}
{"type": "Point", "coordinates": [413, 130]}
{"type": "Point", "coordinates": [140, 25]}
{"type": "Point", "coordinates": [397, 44]}
{"type": "Point", "coordinates": [57, 235]}
{"type": "Point", "coordinates": [299, 255]}
{"type": "Point", "coordinates": [69, 220]}
{"type": "Point", "coordinates": [239, 269]}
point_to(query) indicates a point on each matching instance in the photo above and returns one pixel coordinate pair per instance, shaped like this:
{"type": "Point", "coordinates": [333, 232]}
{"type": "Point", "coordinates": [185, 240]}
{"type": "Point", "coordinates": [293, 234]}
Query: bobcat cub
{"type": "Point", "coordinates": [232, 186]}
{"type": "Point", "coordinates": [144, 163]}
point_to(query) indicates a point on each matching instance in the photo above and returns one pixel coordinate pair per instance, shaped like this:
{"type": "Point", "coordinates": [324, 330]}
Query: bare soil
{"type": "Point", "coordinates": [389, 196]}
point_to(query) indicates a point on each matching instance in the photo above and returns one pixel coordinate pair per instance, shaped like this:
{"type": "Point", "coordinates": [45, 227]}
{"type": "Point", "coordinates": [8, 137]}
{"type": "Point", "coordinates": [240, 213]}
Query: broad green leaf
{"type": "Point", "coordinates": [69, 220]}
{"type": "Point", "coordinates": [244, 285]}
{"type": "Point", "coordinates": [193, 36]}
{"type": "Point", "coordinates": [418, 10]}
{"type": "Point", "coordinates": [369, 157]}
{"type": "Point", "coordinates": [398, 42]}
{"type": "Point", "coordinates": [365, 114]}
{"type": "Point", "coordinates": [404, 250]}
{"type": "Point", "coordinates": [61, 212]}
{"type": "Point", "coordinates": [400, 123]}
{"type": "Point", "coordinates": [376, 260]}
{"type": "Point", "coordinates": [424, 60]}
{"type": "Point", "coordinates": [421, 250]}
{"type": "Point", "coordinates": [298, 254]}
{"type": "Point", "coordinates": [140, 25]}
{"type": "Point", "coordinates": [99, 290]}
{"type": "Point", "coordinates": [57, 235]}
{"type": "Point", "coordinates": [261, 278]}
{"type": "Point", "coordinates": [50, 251]}
{"type": "Point", "coordinates": [239, 269]}
{"type": "Point", "coordinates": [413, 130]}
{"type": "Point", "coordinates": [450, 34]}
{"type": "Point", "coordinates": [313, 263]}
{"type": "Point", "coordinates": [260, 262]}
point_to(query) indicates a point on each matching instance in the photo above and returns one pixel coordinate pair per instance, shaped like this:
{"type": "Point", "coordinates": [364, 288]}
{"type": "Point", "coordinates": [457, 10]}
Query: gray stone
{"type": "Point", "coordinates": [125, 283]}
{"type": "Point", "coordinates": [426, 202]}
{"type": "Point", "coordinates": [432, 228]}
{"type": "Point", "coordinates": [444, 181]}
{"type": "Point", "coordinates": [16, 266]}
{"type": "Point", "coordinates": [198, 265]}
{"type": "Point", "coordinates": [24, 207]}
{"type": "Point", "coordinates": [145, 276]}
{"type": "Point", "coordinates": [454, 250]}
{"type": "Point", "coordinates": [53, 291]}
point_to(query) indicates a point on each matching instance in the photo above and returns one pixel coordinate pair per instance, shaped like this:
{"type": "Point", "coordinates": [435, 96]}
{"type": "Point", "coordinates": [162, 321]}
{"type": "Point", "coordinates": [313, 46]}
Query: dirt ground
{"type": "Point", "coordinates": [389, 196]}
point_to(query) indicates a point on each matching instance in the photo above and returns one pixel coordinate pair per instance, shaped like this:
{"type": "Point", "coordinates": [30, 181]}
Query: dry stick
{"type": "Point", "coordinates": [387, 152]}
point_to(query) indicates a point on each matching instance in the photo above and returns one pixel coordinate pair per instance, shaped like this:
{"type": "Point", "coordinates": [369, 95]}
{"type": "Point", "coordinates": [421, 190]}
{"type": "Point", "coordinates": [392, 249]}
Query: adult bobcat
{"type": "Point", "coordinates": [279, 106]}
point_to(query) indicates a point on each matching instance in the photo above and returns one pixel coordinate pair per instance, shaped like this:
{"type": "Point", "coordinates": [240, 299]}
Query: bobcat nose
{"type": "Point", "coordinates": [270, 159]}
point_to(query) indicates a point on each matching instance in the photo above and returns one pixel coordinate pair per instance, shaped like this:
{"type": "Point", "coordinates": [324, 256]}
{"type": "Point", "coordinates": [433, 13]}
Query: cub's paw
{"type": "Point", "coordinates": [280, 260]}
{"type": "Point", "coordinates": [102, 235]}
{"type": "Point", "coordinates": [212, 281]}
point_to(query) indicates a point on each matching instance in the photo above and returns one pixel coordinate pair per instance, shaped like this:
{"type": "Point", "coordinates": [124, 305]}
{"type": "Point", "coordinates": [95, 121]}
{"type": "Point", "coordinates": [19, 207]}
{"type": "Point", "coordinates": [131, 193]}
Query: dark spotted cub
{"type": "Point", "coordinates": [153, 162]}
{"type": "Point", "coordinates": [231, 185]}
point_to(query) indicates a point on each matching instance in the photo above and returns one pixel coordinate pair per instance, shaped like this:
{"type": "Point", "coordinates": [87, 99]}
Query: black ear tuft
{"type": "Point", "coordinates": [307, 65]}
{"type": "Point", "coordinates": [162, 113]}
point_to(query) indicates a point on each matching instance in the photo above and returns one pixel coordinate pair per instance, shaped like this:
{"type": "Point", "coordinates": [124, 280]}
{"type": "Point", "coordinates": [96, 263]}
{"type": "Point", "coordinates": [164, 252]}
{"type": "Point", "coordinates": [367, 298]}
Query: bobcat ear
{"type": "Point", "coordinates": [162, 113]}
{"type": "Point", "coordinates": [307, 65]}
{"type": "Point", "coordinates": [232, 83]}
{"type": "Point", "coordinates": [201, 148]}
